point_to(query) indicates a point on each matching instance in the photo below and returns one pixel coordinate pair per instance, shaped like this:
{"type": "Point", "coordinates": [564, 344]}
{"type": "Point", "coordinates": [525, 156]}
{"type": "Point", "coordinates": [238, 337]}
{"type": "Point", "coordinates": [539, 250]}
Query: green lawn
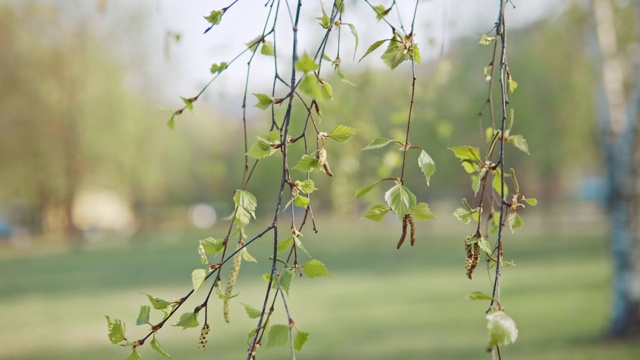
{"type": "Point", "coordinates": [380, 304]}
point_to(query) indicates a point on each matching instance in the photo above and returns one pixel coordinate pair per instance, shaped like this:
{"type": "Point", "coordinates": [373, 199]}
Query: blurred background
{"type": "Point", "coordinates": [100, 201]}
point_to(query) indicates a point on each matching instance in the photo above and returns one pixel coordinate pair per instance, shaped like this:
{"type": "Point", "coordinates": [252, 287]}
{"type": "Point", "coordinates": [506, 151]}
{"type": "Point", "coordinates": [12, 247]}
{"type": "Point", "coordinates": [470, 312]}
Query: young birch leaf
{"type": "Point", "coordinates": [187, 102]}
{"type": "Point", "coordinates": [342, 133]}
{"type": "Point", "coordinates": [315, 268]}
{"type": "Point", "coordinates": [171, 124]}
{"type": "Point", "coordinates": [427, 165]}
{"type": "Point", "coordinates": [422, 212]}
{"type": "Point", "coordinates": [485, 40]}
{"type": "Point", "coordinates": [246, 200]}
{"type": "Point", "coordinates": [309, 86]}
{"type": "Point", "coordinates": [512, 84]}
{"type": "Point", "coordinates": [307, 164]}
{"type": "Point", "coordinates": [515, 222]}
{"type": "Point", "coordinates": [243, 217]}
{"type": "Point", "coordinates": [247, 257]}
{"type": "Point", "coordinates": [373, 47]}
{"type": "Point", "coordinates": [502, 329]}
{"type": "Point", "coordinates": [400, 199]}
{"type": "Point", "coordinates": [299, 245]}
{"type": "Point", "coordinates": [143, 315]}
{"type": "Point", "coordinates": [218, 68]}
{"type": "Point", "coordinates": [484, 245]}
{"type": "Point", "coordinates": [300, 339]}
{"type": "Point", "coordinates": [378, 143]}
{"type": "Point", "coordinates": [157, 303]}
{"type": "Point", "coordinates": [267, 48]}
{"type": "Point", "coordinates": [211, 245]}
{"type": "Point", "coordinates": [306, 186]}
{"type": "Point", "coordinates": [381, 11]}
{"type": "Point", "coordinates": [264, 101]}
{"type": "Point", "coordinates": [278, 335]}
{"type": "Point", "coordinates": [394, 55]}
{"type": "Point", "coordinates": [252, 312]}
{"type": "Point", "coordinates": [198, 276]}
{"type": "Point", "coordinates": [520, 143]}
{"type": "Point", "coordinates": [134, 356]}
{"type": "Point", "coordinates": [366, 189]}
{"type": "Point", "coordinates": [116, 330]}
{"type": "Point", "coordinates": [354, 32]}
{"type": "Point", "coordinates": [466, 153]}
{"type": "Point", "coordinates": [215, 17]}
{"type": "Point", "coordinates": [285, 278]}
{"type": "Point", "coordinates": [155, 345]}
{"type": "Point", "coordinates": [377, 212]}
{"type": "Point", "coordinates": [497, 184]}
{"type": "Point", "coordinates": [416, 54]}
{"type": "Point", "coordinates": [327, 90]}
{"type": "Point", "coordinates": [306, 64]}
{"type": "Point", "coordinates": [261, 149]}
{"type": "Point", "coordinates": [531, 201]}
{"type": "Point", "coordinates": [478, 295]}
{"type": "Point", "coordinates": [475, 184]}
{"type": "Point", "coordinates": [301, 201]}
{"type": "Point", "coordinates": [464, 215]}
{"type": "Point", "coordinates": [188, 320]}
{"type": "Point", "coordinates": [285, 244]}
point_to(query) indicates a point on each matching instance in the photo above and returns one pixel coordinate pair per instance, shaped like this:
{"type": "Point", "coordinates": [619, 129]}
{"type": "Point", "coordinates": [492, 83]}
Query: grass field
{"type": "Point", "coordinates": [380, 304]}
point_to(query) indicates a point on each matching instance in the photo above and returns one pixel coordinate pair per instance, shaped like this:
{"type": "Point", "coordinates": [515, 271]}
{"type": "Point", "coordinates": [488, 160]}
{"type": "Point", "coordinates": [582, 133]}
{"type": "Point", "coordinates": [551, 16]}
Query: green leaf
{"type": "Point", "coordinates": [116, 330]}
{"type": "Point", "coordinates": [486, 40]}
{"type": "Point", "coordinates": [253, 44]}
{"type": "Point", "coordinates": [520, 143]}
{"type": "Point", "coordinates": [515, 222]}
{"type": "Point", "coordinates": [171, 124]}
{"type": "Point", "coordinates": [422, 212]}
{"type": "Point", "coordinates": [381, 11]}
{"type": "Point", "coordinates": [299, 245]}
{"type": "Point", "coordinates": [416, 54]}
{"type": "Point", "coordinates": [478, 295]}
{"type": "Point", "coordinates": [342, 133]}
{"type": "Point", "coordinates": [502, 329]}
{"type": "Point", "coordinates": [157, 303]}
{"type": "Point", "coordinates": [512, 84]}
{"type": "Point", "coordinates": [400, 199]}
{"type": "Point", "coordinates": [325, 21]}
{"type": "Point", "coordinates": [307, 164]}
{"type": "Point", "coordinates": [327, 90]}
{"type": "Point", "coordinates": [212, 246]}
{"type": "Point", "coordinates": [484, 245]}
{"type": "Point", "coordinates": [300, 339]}
{"type": "Point", "coordinates": [285, 244]}
{"type": "Point", "coordinates": [475, 184]}
{"type": "Point", "coordinates": [156, 346]}
{"type": "Point", "coordinates": [377, 212]}
{"type": "Point", "coordinates": [264, 101]}
{"type": "Point", "coordinates": [427, 165]}
{"type": "Point", "coordinates": [267, 48]}
{"type": "Point", "coordinates": [366, 189]}
{"type": "Point", "coordinates": [134, 356]}
{"type": "Point", "coordinates": [218, 68]}
{"type": "Point", "coordinates": [285, 278]}
{"type": "Point", "coordinates": [309, 86]}
{"type": "Point", "coordinates": [531, 201]}
{"type": "Point", "coordinates": [245, 199]}
{"type": "Point", "coordinates": [315, 268]}
{"type": "Point", "coordinates": [469, 166]}
{"type": "Point", "coordinates": [464, 215]}
{"type": "Point", "coordinates": [261, 149]}
{"type": "Point", "coordinates": [306, 64]}
{"type": "Point", "coordinates": [394, 55]}
{"type": "Point", "coordinates": [466, 153]}
{"type": "Point", "coordinates": [243, 217]}
{"type": "Point", "coordinates": [225, 297]}
{"type": "Point", "coordinates": [188, 102]}
{"type": "Point", "coordinates": [215, 17]}
{"type": "Point", "coordinates": [188, 320]}
{"type": "Point", "coordinates": [497, 184]}
{"type": "Point", "coordinates": [373, 47]}
{"type": "Point", "coordinates": [306, 187]}
{"type": "Point", "coordinates": [354, 32]}
{"type": "Point", "coordinates": [378, 143]}
{"type": "Point", "coordinates": [143, 315]}
{"type": "Point", "coordinates": [198, 276]}
{"type": "Point", "coordinates": [247, 257]}
{"type": "Point", "coordinates": [278, 335]}
{"type": "Point", "coordinates": [251, 311]}
{"type": "Point", "coordinates": [301, 201]}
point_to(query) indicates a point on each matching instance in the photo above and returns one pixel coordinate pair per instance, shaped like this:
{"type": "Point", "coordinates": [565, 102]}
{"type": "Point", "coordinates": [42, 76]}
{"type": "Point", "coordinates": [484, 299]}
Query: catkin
{"type": "Point", "coordinates": [473, 256]}
{"type": "Point", "coordinates": [202, 342]}
{"type": "Point", "coordinates": [233, 276]}
{"type": "Point", "coordinates": [405, 222]}
{"type": "Point", "coordinates": [413, 228]}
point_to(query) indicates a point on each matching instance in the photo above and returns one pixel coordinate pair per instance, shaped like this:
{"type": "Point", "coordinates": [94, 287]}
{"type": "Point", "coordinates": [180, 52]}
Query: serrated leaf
{"type": "Point", "coordinates": [464, 215]}
{"type": "Point", "coordinates": [466, 153]}
{"type": "Point", "coordinates": [502, 329]}
{"type": "Point", "coordinates": [187, 102]}
{"type": "Point", "coordinates": [484, 245]}
{"type": "Point", "coordinates": [478, 295]}
{"type": "Point", "coordinates": [156, 346]}
{"type": "Point", "coordinates": [315, 268]}
{"type": "Point", "coordinates": [531, 201]}
{"type": "Point", "coordinates": [218, 68]}
{"type": "Point", "coordinates": [278, 335]}
{"type": "Point", "coordinates": [497, 184]}
{"type": "Point", "coordinates": [354, 32]}
{"type": "Point", "coordinates": [485, 40]}
{"type": "Point", "coordinates": [469, 166]}
{"type": "Point", "coordinates": [261, 149]}
{"type": "Point", "coordinates": [301, 201]}
{"type": "Point", "coordinates": [400, 199]}
{"type": "Point", "coordinates": [512, 85]}
{"type": "Point", "coordinates": [143, 315]}
{"type": "Point", "coordinates": [243, 217]}
{"type": "Point", "coordinates": [306, 64]}
{"type": "Point", "coordinates": [307, 164]}
{"type": "Point", "coordinates": [309, 86]}
{"type": "Point", "coordinates": [203, 255]}
{"type": "Point", "coordinates": [285, 244]}
{"type": "Point", "coordinates": [342, 133]}
{"type": "Point", "coordinates": [116, 330]}
{"type": "Point", "coordinates": [157, 303]}
{"type": "Point", "coordinates": [373, 47]}
{"type": "Point", "coordinates": [225, 297]}
{"type": "Point", "coordinates": [377, 212]}
{"type": "Point", "coordinates": [285, 278]}
{"type": "Point", "coordinates": [520, 143]}
{"type": "Point", "coordinates": [198, 276]}
{"type": "Point", "coordinates": [366, 189]}
{"type": "Point", "coordinates": [134, 356]}
{"type": "Point", "coordinates": [306, 186]}
{"type": "Point", "coordinates": [394, 55]}
{"type": "Point", "coordinates": [378, 143]}
{"type": "Point", "coordinates": [327, 90]}
{"type": "Point", "coordinates": [211, 245]}
{"type": "Point", "coordinates": [300, 339]}
{"type": "Point", "coordinates": [267, 48]}
{"type": "Point", "coordinates": [416, 54]}
{"type": "Point", "coordinates": [247, 257]}
{"type": "Point", "coordinates": [515, 222]}
{"type": "Point", "coordinates": [427, 165]}
{"type": "Point", "coordinates": [188, 320]}
{"type": "Point", "coordinates": [381, 11]}
{"type": "Point", "coordinates": [422, 212]}
{"type": "Point", "coordinates": [215, 17]}
{"type": "Point", "coordinates": [475, 184]}
{"type": "Point", "coordinates": [299, 245]}
{"type": "Point", "coordinates": [264, 101]}
{"type": "Point", "coordinates": [247, 200]}
{"type": "Point", "coordinates": [252, 312]}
